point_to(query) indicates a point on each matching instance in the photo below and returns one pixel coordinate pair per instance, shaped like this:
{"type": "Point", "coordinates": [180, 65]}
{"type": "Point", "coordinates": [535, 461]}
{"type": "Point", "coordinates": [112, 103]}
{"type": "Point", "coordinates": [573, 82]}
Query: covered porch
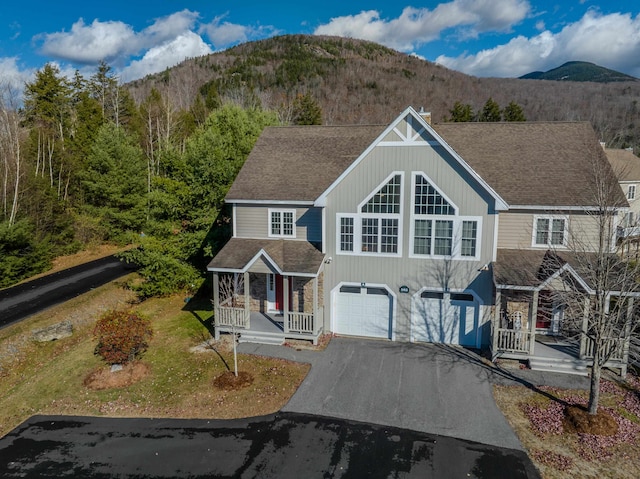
{"type": "Point", "coordinates": [268, 291]}
{"type": "Point", "coordinates": [542, 314]}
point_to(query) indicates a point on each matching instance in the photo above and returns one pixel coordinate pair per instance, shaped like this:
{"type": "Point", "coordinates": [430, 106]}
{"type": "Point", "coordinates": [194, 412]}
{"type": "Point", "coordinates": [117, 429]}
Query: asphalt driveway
{"type": "Point", "coordinates": [285, 445]}
{"type": "Point", "coordinates": [429, 388]}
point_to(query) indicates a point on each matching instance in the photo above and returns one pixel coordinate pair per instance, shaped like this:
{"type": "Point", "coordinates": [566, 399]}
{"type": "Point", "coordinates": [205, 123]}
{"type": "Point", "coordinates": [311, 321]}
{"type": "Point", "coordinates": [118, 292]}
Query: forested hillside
{"type": "Point", "coordinates": [356, 81]}
{"type": "Point", "coordinates": [87, 160]}
{"type": "Point", "coordinates": [82, 163]}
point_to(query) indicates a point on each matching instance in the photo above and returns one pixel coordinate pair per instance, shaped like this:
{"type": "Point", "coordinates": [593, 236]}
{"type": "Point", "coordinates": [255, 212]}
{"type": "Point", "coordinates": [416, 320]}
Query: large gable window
{"type": "Point", "coordinates": [386, 199]}
{"type": "Point", "coordinates": [376, 228]}
{"type": "Point", "coordinates": [428, 201]}
{"type": "Point", "coordinates": [549, 231]}
{"type": "Point", "coordinates": [437, 229]}
{"type": "Point", "coordinates": [282, 223]}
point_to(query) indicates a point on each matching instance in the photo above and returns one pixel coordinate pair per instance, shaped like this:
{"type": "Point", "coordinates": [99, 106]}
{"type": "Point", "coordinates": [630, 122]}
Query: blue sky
{"type": "Point", "coordinates": [503, 38]}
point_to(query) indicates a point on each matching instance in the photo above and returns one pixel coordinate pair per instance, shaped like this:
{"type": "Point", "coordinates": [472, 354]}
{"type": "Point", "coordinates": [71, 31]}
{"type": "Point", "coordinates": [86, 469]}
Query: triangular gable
{"type": "Point", "coordinates": [566, 268]}
{"type": "Point", "coordinates": [262, 254]}
{"type": "Point", "coordinates": [411, 129]}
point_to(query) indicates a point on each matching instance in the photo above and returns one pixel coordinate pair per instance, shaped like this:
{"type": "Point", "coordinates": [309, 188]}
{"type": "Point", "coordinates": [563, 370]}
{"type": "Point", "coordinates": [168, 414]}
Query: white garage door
{"type": "Point", "coordinates": [445, 318]}
{"type": "Point", "coordinates": [363, 312]}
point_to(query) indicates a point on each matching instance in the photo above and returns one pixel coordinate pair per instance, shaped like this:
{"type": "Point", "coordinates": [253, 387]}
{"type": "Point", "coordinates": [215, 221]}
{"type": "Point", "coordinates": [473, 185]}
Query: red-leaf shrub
{"type": "Point", "coordinates": [122, 336]}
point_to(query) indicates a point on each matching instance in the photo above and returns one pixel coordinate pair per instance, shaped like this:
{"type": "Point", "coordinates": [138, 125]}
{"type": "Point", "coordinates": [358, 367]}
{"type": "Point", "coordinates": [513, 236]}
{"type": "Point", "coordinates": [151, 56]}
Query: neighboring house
{"type": "Point", "coordinates": [626, 166]}
{"type": "Point", "coordinates": [405, 231]}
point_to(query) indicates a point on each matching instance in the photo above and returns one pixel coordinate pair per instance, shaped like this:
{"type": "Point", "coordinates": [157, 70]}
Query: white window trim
{"type": "Point", "coordinates": [457, 226]}
{"type": "Point", "coordinates": [456, 250]}
{"type": "Point", "coordinates": [281, 211]}
{"type": "Point", "coordinates": [435, 187]}
{"type": "Point", "coordinates": [534, 230]}
{"type": "Point", "coordinates": [631, 192]}
{"type": "Point", "coordinates": [378, 188]}
{"type": "Point", "coordinates": [357, 223]}
{"type": "Point", "coordinates": [357, 234]}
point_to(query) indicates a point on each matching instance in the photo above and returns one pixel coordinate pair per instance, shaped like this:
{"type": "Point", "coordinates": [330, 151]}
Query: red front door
{"type": "Point", "coordinates": [279, 293]}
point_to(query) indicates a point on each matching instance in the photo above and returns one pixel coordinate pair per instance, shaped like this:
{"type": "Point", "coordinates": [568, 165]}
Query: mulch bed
{"type": "Point", "coordinates": [228, 381]}
{"type": "Point", "coordinates": [578, 420]}
{"type": "Point", "coordinates": [103, 378]}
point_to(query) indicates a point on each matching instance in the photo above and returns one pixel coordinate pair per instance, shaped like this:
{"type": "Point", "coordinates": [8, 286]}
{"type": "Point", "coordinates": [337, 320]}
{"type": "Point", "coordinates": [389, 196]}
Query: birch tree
{"type": "Point", "coordinates": [10, 153]}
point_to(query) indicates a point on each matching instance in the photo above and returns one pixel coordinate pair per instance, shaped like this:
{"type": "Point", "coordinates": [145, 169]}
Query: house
{"type": "Point", "coordinates": [408, 231]}
{"type": "Point", "coordinates": [626, 165]}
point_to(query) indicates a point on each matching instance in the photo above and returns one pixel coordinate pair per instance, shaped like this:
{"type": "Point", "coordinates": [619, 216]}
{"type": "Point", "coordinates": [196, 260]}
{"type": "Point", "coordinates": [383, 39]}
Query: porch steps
{"type": "Point", "coordinates": [261, 337]}
{"type": "Point", "coordinates": [556, 365]}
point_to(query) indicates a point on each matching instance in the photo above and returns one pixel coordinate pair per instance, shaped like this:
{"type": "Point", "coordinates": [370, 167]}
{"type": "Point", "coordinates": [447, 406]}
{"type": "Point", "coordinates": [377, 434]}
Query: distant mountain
{"type": "Point", "coordinates": [580, 71]}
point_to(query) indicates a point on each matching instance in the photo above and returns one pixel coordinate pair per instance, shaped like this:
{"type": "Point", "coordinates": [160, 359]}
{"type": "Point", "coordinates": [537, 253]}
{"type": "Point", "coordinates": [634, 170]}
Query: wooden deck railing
{"type": "Point", "coordinates": [513, 340]}
{"type": "Point", "coordinates": [301, 323]}
{"type": "Point", "coordinates": [228, 316]}
{"type": "Point", "coordinates": [613, 347]}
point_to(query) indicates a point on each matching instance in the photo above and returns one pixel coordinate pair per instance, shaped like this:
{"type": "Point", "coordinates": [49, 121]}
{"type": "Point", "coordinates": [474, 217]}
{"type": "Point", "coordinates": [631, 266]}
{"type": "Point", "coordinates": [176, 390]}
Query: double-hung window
{"type": "Point", "coordinates": [375, 228]}
{"type": "Point", "coordinates": [631, 192]}
{"type": "Point", "coordinates": [282, 223]}
{"type": "Point", "coordinates": [437, 229]}
{"type": "Point", "coordinates": [549, 231]}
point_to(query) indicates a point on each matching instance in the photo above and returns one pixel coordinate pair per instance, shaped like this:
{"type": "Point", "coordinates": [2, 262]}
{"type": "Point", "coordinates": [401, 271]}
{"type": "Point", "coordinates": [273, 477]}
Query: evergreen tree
{"type": "Point", "coordinates": [461, 113]}
{"type": "Point", "coordinates": [491, 111]}
{"type": "Point", "coordinates": [513, 112]}
{"type": "Point", "coordinates": [115, 182]}
{"type": "Point", "coordinates": [306, 110]}
{"type": "Point", "coordinates": [188, 199]}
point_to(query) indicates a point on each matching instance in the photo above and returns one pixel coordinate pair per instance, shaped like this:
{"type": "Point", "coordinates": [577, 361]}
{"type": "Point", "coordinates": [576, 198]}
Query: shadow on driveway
{"type": "Point", "coordinates": [285, 445]}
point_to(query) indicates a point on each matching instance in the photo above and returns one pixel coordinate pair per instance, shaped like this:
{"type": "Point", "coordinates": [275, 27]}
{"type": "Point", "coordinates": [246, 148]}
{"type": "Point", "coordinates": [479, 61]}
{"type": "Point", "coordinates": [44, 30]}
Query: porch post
{"type": "Point", "coordinates": [532, 322]}
{"type": "Point", "coordinates": [216, 306]}
{"type": "Point", "coordinates": [497, 311]}
{"type": "Point", "coordinates": [247, 300]}
{"type": "Point", "coordinates": [315, 304]}
{"type": "Point", "coordinates": [285, 299]}
{"type": "Point", "coordinates": [585, 326]}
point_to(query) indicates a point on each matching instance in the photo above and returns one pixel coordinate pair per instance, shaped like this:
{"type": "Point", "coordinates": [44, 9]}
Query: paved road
{"type": "Point", "coordinates": [429, 388]}
{"type": "Point", "coordinates": [34, 296]}
{"type": "Point", "coordinates": [285, 445]}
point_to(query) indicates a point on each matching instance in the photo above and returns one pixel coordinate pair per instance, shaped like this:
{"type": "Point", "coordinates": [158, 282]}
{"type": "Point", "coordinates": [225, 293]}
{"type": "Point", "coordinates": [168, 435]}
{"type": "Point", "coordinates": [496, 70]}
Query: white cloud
{"type": "Point", "coordinates": [171, 53]}
{"type": "Point", "coordinates": [223, 34]}
{"type": "Point", "coordinates": [12, 79]}
{"type": "Point", "coordinates": [609, 40]}
{"type": "Point", "coordinates": [113, 41]}
{"type": "Point", "coordinates": [416, 26]}
{"type": "Point", "coordinates": [89, 43]}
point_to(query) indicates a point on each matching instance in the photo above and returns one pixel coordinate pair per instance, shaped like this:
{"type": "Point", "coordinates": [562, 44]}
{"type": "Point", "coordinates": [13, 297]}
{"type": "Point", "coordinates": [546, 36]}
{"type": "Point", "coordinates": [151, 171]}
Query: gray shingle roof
{"type": "Point", "coordinates": [529, 268]}
{"type": "Point", "coordinates": [297, 163]}
{"type": "Point", "coordinates": [290, 256]}
{"type": "Point", "coordinates": [533, 163]}
{"type": "Point", "coordinates": [625, 164]}
{"type": "Point", "coordinates": [526, 163]}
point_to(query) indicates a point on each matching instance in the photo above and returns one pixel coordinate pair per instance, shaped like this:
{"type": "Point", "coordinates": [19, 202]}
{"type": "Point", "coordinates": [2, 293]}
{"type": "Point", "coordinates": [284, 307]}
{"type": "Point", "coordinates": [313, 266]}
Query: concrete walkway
{"type": "Point", "coordinates": [424, 387]}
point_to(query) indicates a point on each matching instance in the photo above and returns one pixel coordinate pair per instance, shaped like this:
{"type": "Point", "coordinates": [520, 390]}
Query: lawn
{"type": "Point", "coordinates": [49, 378]}
{"type": "Point", "coordinates": [556, 449]}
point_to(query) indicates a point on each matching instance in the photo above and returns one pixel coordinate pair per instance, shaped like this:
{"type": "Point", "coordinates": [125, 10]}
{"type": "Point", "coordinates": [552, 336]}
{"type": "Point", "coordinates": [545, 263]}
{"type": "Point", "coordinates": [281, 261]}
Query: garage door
{"type": "Point", "coordinates": [363, 312]}
{"type": "Point", "coordinates": [438, 317]}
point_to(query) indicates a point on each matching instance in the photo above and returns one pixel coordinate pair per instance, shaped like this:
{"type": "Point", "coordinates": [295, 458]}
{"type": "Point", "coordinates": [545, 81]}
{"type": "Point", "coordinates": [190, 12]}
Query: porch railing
{"type": "Point", "coordinates": [229, 316]}
{"type": "Point", "coordinates": [513, 340]}
{"type": "Point", "coordinates": [301, 323]}
{"type": "Point", "coordinates": [613, 347]}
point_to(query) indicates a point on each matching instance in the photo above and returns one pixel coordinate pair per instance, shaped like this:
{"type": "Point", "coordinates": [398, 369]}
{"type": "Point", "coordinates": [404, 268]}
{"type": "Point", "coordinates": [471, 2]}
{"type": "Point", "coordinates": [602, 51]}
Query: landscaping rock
{"type": "Point", "coordinates": [60, 330]}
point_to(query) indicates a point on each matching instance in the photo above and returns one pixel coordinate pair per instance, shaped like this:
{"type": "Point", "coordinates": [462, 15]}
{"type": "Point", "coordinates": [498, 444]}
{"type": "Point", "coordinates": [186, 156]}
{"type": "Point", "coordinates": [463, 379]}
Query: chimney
{"type": "Point", "coordinates": [426, 115]}
{"type": "Point", "coordinates": [603, 145]}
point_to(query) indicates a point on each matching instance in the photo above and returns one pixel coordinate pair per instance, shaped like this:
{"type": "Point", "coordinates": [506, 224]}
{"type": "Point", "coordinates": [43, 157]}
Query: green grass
{"type": "Point", "coordinates": [48, 378]}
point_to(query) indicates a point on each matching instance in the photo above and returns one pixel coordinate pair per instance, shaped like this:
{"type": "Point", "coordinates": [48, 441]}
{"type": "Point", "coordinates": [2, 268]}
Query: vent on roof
{"type": "Point", "coordinates": [603, 145]}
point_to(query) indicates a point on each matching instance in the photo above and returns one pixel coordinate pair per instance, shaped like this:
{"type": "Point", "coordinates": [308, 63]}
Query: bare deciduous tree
{"type": "Point", "coordinates": [601, 312]}
{"type": "Point", "coordinates": [10, 152]}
